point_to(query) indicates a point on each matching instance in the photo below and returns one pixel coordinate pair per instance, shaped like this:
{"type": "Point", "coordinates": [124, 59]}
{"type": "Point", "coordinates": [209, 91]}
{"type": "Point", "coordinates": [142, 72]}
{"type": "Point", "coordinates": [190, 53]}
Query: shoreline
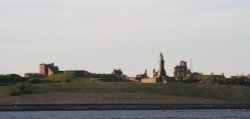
{"type": "Point", "coordinates": [75, 107]}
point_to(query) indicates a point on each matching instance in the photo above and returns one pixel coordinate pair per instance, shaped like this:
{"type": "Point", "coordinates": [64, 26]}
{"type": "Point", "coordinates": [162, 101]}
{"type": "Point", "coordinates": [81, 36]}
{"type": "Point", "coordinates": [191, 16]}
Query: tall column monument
{"type": "Point", "coordinates": [161, 76]}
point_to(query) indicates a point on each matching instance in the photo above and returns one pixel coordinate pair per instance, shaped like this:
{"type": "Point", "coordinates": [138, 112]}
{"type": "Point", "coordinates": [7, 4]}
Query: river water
{"type": "Point", "coordinates": [130, 114]}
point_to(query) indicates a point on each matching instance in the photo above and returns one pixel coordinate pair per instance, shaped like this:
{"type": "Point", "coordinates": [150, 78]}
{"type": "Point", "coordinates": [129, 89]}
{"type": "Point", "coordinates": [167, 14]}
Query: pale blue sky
{"type": "Point", "coordinates": [99, 35]}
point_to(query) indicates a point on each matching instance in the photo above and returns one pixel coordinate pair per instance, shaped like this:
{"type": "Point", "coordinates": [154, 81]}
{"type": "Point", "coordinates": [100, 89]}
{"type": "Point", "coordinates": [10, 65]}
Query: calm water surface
{"type": "Point", "coordinates": [130, 114]}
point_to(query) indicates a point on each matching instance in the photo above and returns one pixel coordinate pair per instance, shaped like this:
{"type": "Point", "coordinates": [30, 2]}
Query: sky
{"type": "Point", "coordinates": [102, 35]}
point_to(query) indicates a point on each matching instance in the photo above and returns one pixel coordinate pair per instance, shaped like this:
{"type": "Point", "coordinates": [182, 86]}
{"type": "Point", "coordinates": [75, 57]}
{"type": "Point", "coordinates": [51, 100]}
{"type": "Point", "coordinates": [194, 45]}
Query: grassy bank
{"type": "Point", "coordinates": [61, 78]}
{"type": "Point", "coordinates": [130, 92]}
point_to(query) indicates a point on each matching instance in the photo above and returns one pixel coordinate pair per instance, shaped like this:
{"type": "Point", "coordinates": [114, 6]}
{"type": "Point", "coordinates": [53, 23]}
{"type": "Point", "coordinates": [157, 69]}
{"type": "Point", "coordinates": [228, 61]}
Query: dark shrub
{"type": "Point", "coordinates": [68, 80]}
{"type": "Point", "coordinates": [22, 89]}
{"type": "Point", "coordinates": [35, 81]}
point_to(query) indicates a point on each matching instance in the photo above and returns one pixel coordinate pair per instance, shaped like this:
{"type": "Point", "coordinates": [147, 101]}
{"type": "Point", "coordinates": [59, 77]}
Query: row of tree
{"type": "Point", "coordinates": [210, 79]}
{"type": "Point", "coordinates": [12, 79]}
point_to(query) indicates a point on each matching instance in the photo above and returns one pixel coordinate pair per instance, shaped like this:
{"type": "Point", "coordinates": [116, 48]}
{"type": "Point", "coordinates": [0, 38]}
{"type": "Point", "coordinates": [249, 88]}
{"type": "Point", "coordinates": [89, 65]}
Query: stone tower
{"type": "Point", "coordinates": [161, 76]}
{"type": "Point", "coordinates": [48, 69]}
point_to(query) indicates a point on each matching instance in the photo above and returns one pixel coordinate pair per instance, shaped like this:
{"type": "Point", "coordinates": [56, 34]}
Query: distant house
{"type": "Point", "coordinates": [217, 78]}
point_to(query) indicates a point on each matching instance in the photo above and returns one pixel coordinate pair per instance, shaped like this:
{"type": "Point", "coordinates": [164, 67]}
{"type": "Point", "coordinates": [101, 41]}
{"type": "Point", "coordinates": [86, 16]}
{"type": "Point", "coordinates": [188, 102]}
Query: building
{"type": "Point", "coordinates": [161, 75]}
{"type": "Point", "coordinates": [158, 77]}
{"type": "Point", "coordinates": [219, 78]}
{"type": "Point", "coordinates": [142, 76]}
{"type": "Point", "coordinates": [48, 69]}
{"type": "Point", "coordinates": [181, 71]}
{"type": "Point", "coordinates": [44, 71]}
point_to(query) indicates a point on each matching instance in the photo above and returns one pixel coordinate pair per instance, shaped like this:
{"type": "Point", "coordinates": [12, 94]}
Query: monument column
{"type": "Point", "coordinates": [162, 76]}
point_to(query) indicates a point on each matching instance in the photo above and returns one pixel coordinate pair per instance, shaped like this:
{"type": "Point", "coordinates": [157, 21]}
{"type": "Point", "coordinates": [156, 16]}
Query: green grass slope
{"type": "Point", "coordinates": [178, 91]}
{"type": "Point", "coordinates": [59, 78]}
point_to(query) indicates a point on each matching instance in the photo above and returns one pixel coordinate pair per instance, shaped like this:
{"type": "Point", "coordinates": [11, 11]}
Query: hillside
{"type": "Point", "coordinates": [59, 78]}
{"type": "Point", "coordinates": [121, 92]}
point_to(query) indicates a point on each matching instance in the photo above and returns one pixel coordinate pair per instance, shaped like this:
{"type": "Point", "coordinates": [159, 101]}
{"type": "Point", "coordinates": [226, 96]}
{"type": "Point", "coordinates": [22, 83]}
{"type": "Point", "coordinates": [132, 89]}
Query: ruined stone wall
{"type": "Point", "coordinates": [48, 69]}
{"type": "Point", "coordinates": [149, 80]}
